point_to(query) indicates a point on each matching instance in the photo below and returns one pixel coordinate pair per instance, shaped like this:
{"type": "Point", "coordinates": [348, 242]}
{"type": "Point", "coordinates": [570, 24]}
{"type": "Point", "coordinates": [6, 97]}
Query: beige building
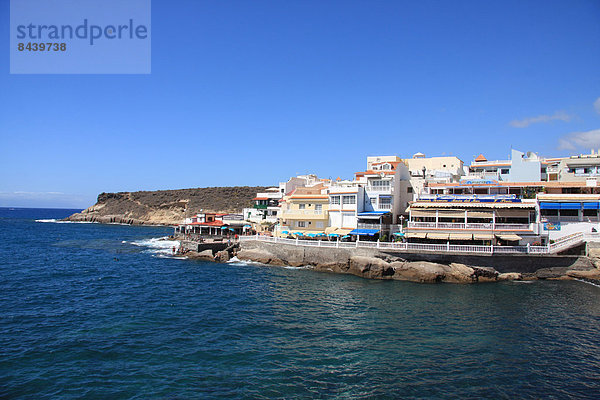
{"type": "Point", "coordinates": [575, 168]}
{"type": "Point", "coordinates": [305, 210]}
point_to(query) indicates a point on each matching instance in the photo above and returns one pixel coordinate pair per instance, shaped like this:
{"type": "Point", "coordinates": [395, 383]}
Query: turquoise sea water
{"type": "Point", "coordinates": [100, 311]}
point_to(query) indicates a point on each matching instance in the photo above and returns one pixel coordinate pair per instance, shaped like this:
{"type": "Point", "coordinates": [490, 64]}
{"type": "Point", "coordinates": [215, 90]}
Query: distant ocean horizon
{"type": "Point", "coordinates": [105, 311]}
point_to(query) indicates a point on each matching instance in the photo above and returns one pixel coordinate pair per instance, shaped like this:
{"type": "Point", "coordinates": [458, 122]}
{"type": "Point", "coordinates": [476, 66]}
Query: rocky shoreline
{"type": "Point", "coordinates": [373, 264]}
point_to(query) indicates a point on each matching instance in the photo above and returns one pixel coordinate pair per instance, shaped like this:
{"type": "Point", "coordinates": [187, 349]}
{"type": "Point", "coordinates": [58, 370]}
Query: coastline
{"type": "Point", "coordinates": [420, 267]}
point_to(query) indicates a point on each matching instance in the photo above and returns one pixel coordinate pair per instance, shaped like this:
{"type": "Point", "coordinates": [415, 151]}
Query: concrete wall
{"type": "Point", "coordinates": [299, 255]}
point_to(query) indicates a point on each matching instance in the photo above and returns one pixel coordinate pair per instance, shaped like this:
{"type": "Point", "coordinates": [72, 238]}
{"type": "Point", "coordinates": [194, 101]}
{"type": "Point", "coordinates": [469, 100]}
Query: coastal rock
{"type": "Point", "coordinates": [222, 256]}
{"type": "Point", "coordinates": [590, 274]}
{"type": "Point", "coordinates": [550, 273]}
{"type": "Point", "coordinates": [255, 255]}
{"type": "Point", "coordinates": [419, 271]}
{"type": "Point", "coordinates": [510, 276]}
{"type": "Point", "coordinates": [485, 274]}
{"type": "Point", "coordinates": [206, 255]}
{"type": "Point", "coordinates": [370, 267]}
{"type": "Point", "coordinates": [460, 273]}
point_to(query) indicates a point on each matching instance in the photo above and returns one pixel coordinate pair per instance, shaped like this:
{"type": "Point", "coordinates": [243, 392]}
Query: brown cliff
{"type": "Point", "coordinates": [166, 207]}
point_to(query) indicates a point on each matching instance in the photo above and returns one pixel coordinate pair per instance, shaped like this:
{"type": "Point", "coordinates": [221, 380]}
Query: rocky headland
{"type": "Point", "coordinates": [166, 207]}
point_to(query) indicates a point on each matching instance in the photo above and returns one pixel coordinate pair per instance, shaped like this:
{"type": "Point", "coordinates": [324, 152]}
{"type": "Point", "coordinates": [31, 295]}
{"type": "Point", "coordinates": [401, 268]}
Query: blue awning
{"type": "Point", "coordinates": [570, 206]}
{"type": "Point", "coordinates": [549, 206]}
{"type": "Point", "coordinates": [370, 213]}
{"type": "Point", "coordinates": [365, 232]}
{"type": "Point", "coordinates": [590, 206]}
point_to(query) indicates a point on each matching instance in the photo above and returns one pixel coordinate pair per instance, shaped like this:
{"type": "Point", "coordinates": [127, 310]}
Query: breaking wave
{"type": "Point", "coordinates": [159, 247]}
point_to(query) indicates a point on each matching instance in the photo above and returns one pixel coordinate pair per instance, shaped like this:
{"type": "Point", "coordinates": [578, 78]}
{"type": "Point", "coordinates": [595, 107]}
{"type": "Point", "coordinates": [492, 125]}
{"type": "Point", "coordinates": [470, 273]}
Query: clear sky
{"type": "Point", "coordinates": [252, 92]}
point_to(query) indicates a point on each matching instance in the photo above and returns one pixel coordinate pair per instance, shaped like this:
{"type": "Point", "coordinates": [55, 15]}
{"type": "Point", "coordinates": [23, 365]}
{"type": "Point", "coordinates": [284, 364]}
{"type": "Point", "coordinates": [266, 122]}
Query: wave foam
{"type": "Point", "coordinates": [160, 247]}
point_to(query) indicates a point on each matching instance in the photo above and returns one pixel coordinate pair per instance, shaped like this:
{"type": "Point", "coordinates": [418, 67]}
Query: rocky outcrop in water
{"type": "Point", "coordinates": [166, 207]}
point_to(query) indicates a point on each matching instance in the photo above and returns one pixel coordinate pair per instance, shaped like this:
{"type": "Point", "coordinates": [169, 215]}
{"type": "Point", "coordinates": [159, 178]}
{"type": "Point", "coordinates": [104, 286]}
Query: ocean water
{"type": "Point", "coordinates": [103, 311]}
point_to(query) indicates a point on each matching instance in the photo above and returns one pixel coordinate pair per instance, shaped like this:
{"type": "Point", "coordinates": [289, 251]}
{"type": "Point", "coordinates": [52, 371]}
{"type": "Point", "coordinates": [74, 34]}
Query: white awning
{"type": "Point", "coordinates": [439, 236]}
{"type": "Point", "coordinates": [509, 237]}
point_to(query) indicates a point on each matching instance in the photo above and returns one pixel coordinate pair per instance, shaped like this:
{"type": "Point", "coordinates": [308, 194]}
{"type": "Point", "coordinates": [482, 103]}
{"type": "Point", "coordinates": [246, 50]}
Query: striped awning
{"type": "Point", "coordinates": [509, 236]}
{"type": "Point", "coordinates": [438, 236]}
{"type": "Point", "coordinates": [416, 235]}
{"type": "Point", "coordinates": [461, 236]}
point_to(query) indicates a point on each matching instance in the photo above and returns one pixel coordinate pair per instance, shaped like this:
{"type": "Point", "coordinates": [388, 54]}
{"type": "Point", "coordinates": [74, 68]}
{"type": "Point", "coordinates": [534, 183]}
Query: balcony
{"type": "Point", "coordinates": [381, 227]}
{"type": "Point", "coordinates": [471, 226]}
{"type": "Point", "coordinates": [303, 213]}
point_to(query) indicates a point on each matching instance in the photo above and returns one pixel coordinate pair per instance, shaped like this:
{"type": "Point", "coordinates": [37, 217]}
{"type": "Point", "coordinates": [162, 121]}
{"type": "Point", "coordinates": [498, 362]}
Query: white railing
{"type": "Point", "coordinates": [362, 225]}
{"type": "Point", "coordinates": [479, 226]}
{"type": "Point", "coordinates": [561, 244]}
{"type": "Point", "coordinates": [302, 212]}
{"type": "Point", "coordinates": [566, 242]}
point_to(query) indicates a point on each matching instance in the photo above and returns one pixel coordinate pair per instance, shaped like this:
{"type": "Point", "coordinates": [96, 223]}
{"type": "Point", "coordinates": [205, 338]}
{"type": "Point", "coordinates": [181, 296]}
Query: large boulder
{"type": "Point", "coordinates": [254, 255]}
{"type": "Point", "coordinates": [222, 256]}
{"type": "Point", "coordinates": [419, 271]}
{"type": "Point", "coordinates": [206, 255]}
{"type": "Point", "coordinates": [510, 276]}
{"type": "Point", "coordinates": [460, 273]}
{"type": "Point", "coordinates": [370, 267]}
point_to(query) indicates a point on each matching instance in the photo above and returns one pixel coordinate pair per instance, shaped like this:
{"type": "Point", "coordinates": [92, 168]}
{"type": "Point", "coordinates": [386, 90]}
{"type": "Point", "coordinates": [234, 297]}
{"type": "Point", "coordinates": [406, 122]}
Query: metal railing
{"type": "Point", "coordinates": [479, 226]}
{"type": "Point", "coordinates": [301, 212]}
{"type": "Point", "coordinates": [559, 245]}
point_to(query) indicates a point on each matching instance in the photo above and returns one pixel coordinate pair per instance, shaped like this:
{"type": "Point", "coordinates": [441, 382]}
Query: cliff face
{"type": "Point", "coordinates": [166, 207]}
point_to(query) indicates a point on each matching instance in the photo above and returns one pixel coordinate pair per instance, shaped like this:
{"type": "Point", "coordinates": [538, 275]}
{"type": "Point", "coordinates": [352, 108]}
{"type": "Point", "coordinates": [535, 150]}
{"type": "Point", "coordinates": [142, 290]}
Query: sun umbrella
{"type": "Point", "coordinates": [285, 232]}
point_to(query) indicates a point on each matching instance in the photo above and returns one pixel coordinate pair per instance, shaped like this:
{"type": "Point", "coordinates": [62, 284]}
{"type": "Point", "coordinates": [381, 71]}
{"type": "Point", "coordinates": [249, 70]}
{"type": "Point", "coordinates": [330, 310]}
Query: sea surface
{"type": "Point", "coordinates": [104, 312]}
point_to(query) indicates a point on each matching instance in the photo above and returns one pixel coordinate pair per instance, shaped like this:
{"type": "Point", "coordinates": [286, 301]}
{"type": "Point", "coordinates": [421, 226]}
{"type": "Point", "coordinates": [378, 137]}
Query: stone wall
{"type": "Point", "coordinates": [421, 267]}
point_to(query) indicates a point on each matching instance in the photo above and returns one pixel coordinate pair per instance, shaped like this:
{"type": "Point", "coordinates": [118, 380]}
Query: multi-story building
{"type": "Point", "coordinates": [501, 219]}
{"type": "Point", "coordinates": [520, 167]}
{"type": "Point", "coordinates": [575, 168]}
{"type": "Point", "coordinates": [304, 211]}
{"type": "Point", "coordinates": [386, 186]}
{"type": "Point", "coordinates": [265, 209]}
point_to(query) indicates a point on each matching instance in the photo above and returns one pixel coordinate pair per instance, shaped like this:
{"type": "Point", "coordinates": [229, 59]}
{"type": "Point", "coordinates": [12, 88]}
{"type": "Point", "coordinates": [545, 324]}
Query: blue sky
{"type": "Point", "coordinates": [252, 92]}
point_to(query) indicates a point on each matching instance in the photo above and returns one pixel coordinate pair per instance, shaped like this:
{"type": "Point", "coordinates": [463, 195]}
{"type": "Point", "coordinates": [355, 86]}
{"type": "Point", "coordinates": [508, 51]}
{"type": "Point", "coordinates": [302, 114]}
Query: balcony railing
{"type": "Point", "coordinates": [302, 212]}
{"type": "Point", "coordinates": [474, 226]}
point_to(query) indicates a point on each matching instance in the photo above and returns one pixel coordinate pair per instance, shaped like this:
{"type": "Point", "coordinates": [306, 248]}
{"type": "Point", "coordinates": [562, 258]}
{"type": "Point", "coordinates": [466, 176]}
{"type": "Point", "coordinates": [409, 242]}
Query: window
{"type": "Point", "coordinates": [335, 200]}
{"type": "Point", "coordinates": [385, 202]}
{"type": "Point", "coordinates": [373, 200]}
{"type": "Point", "coordinates": [349, 199]}
{"type": "Point", "coordinates": [543, 170]}
{"type": "Point", "coordinates": [385, 166]}
{"type": "Point", "coordinates": [380, 185]}
{"type": "Point", "coordinates": [409, 189]}
{"type": "Point", "coordinates": [301, 224]}
{"type": "Point", "coordinates": [319, 225]}
{"type": "Point", "coordinates": [504, 171]}
{"type": "Point", "coordinates": [301, 206]}
{"type": "Point", "coordinates": [319, 208]}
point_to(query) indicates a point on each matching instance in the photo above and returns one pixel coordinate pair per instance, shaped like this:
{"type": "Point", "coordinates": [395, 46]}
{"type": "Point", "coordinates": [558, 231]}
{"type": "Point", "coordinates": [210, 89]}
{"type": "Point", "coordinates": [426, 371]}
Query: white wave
{"type": "Point", "coordinates": [159, 246]}
{"type": "Point", "coordinates": [236, 261]}
{"type": "Point", "coordinates": [301, 267]}
{"type": "Point", "coordinates": [58, 221]}
{"type": "Point", "coordinates": [588, 282]}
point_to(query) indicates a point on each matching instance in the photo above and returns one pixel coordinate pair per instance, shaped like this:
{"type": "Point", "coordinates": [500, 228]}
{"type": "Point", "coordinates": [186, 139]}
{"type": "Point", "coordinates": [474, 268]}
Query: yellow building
{"type": "Point", "coordinates": [305, 210]}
